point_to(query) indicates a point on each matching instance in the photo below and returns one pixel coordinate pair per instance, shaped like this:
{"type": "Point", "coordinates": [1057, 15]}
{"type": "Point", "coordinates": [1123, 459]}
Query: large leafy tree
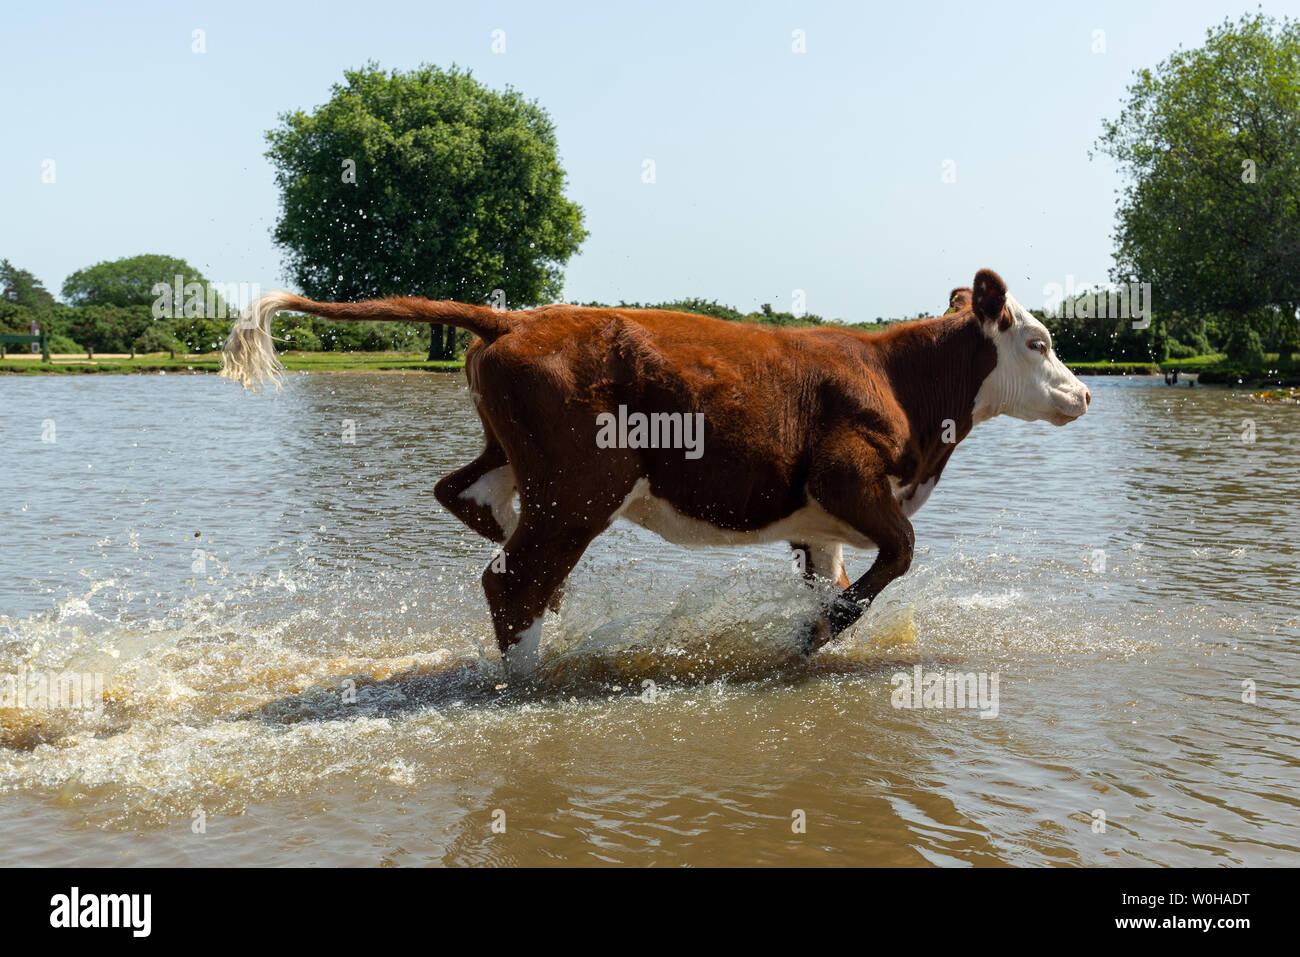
{"type": "Point", "coordinates": [423, 183]}
{"type": "Point", "coordinates": [126, 282]}
{"type": "Point", "coordinates": [1211, 141]}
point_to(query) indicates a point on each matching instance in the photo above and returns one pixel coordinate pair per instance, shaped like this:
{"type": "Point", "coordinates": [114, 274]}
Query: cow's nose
{"type": "Point", "coordinates": [1087, 397]}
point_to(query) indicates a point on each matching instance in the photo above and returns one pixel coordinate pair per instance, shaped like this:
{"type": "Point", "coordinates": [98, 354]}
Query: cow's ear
{"type": "Point", "coordinates": [959, 299]}
{"type": "Point", "coordinates": [989, 295]}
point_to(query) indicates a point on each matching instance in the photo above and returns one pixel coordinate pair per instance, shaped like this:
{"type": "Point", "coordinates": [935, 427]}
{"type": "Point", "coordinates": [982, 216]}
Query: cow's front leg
{"type": "Point", "coordinates": [866, 502]}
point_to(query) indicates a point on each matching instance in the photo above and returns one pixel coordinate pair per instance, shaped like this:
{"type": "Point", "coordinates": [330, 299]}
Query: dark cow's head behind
{"type": "Point", "coordinates": [958, 299]}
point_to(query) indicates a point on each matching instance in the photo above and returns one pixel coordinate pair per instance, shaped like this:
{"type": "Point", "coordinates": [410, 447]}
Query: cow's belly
{"type": "Point", "coordinates": [807, 525]}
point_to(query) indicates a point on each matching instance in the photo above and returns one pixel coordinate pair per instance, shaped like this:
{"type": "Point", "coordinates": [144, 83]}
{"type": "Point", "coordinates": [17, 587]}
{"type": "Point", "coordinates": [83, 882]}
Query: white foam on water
{"type": "Point", "coordinates": [744, 626]}
{"type": "Point", "coordinates": [298, 679]}
{"type": "Point", "coordinates": [986, 601]}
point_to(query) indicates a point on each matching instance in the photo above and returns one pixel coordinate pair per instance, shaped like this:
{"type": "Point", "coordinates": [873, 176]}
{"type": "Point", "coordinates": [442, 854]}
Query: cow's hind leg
{"type": "Point", "coordinates": [481, 494]}
{"type": "Point", "coordinates": [524, 580]}
{"type": "Point", "coordinates": [556, 524]}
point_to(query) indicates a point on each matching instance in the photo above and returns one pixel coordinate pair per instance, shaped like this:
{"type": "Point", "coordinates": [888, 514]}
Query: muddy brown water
{"type": "Point", "coordinates": [297, 668]}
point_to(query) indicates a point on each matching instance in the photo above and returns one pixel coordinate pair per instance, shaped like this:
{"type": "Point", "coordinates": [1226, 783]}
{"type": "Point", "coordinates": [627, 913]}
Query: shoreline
{"type": "Point", "coordinates": [1208, 372]}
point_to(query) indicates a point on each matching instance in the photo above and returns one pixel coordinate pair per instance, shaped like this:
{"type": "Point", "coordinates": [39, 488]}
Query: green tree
{"type": "Point", "coordinates": [158, 338]}
{"type": "Point", "coordinates": [128, 281]}
{"type": "Point", "coordinates": [109, 328]}
{"type": "Point", "coordinates": [423, 183]}
{"type": "Point", "coordinates": [201, 335]}
{"type": "Point", "coordinates": [1211, 142]}
{"type": "Point", "coordinates": [1243, 346]}
{"type": "Point", "coordinates": [21, 288]}
{"type": "Point", "coordinates": [299, 337]}
{"type": "Point", "coordinates": [1079, 335]}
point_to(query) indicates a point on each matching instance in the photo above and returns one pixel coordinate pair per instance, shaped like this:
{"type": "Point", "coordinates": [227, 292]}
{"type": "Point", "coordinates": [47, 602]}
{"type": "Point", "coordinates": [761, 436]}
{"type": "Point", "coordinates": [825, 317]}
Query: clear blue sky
{"type": "Point", "coordinates": [775, 171]}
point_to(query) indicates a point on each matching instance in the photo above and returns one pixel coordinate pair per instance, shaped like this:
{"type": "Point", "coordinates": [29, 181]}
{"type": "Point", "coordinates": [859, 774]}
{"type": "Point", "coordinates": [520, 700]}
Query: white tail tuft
{"type": "Point", "coordinates": [249, 357]}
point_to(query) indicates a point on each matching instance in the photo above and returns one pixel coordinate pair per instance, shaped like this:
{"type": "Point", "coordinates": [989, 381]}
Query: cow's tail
{"type": "Point", "coordinates": [249, 357]}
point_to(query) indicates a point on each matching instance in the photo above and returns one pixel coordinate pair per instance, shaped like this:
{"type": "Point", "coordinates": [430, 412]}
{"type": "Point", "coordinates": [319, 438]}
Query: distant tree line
{"type": "Point", "coordinates": [110, 308]}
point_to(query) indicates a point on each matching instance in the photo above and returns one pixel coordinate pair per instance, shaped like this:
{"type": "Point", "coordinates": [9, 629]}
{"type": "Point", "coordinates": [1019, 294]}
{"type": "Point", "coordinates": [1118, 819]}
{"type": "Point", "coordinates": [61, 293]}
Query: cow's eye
{"type": "Point", "coordinates": [1038, 345]}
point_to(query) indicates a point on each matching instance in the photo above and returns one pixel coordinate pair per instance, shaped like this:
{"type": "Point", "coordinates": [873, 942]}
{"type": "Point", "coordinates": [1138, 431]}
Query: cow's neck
{"type": "Point", "coordinates": [936, 368]}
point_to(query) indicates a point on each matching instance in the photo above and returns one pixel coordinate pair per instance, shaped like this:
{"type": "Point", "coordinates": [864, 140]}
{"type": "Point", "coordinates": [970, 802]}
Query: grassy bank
{"type": "Point", "coordinates": [1218, 370]}
{"type": "Point", "coordinates": [211, 362]}
{"type": "Point", "coordinates": [1208, 369]}
{"type": "Point", "coordinates": [1106, 367]}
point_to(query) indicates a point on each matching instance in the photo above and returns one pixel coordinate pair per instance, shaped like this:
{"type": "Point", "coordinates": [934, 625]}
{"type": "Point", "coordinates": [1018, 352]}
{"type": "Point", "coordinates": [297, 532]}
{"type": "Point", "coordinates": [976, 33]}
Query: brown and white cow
{"type": "Point", "coordinates": [822, 436]}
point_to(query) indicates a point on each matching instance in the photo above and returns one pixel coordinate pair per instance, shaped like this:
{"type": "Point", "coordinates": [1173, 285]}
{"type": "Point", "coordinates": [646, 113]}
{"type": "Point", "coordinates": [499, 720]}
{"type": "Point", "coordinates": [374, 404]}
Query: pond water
{"type": "Point", "coordinates": [288, 660]}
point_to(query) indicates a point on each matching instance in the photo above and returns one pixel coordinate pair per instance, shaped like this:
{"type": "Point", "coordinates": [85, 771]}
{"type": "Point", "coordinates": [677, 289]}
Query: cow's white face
{"type": "Point", "coordinates": [1029, 381]}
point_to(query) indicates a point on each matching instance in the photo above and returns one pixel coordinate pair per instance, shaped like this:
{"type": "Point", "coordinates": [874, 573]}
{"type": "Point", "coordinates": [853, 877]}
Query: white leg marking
{"type": "Point", "coordinates": [496, 490]}
{"type": "Point", "coordinates": [826, 561]}
{"type": "Point", "coordinates": [521, 659]}
{"type": "Point", "coordinates": [912, 497]}
{"type": "Point", "coordinates": [919, 496]}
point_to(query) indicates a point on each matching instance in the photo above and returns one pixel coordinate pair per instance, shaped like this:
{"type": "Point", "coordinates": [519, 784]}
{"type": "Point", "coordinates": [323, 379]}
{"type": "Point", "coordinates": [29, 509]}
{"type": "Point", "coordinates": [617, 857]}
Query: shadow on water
{"type": "Point", "coordinates": [481, 685]}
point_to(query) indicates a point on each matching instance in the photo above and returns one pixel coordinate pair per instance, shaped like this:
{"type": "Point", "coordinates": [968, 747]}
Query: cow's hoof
{"type": "Point", "coordinates": [522, 657]}
{"type": "Point", "coordinates": [815, 634]}
{"type": "Point", "coordinates": [839, 615]}
{"type": "Point", "coordinates": [520, 664]}
{"type": "Point", "coordinates": [556, 601]}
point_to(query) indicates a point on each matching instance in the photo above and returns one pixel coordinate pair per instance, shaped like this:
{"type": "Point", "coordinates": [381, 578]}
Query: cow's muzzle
{"type": "Point", "coordinates": [1073, 408]}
